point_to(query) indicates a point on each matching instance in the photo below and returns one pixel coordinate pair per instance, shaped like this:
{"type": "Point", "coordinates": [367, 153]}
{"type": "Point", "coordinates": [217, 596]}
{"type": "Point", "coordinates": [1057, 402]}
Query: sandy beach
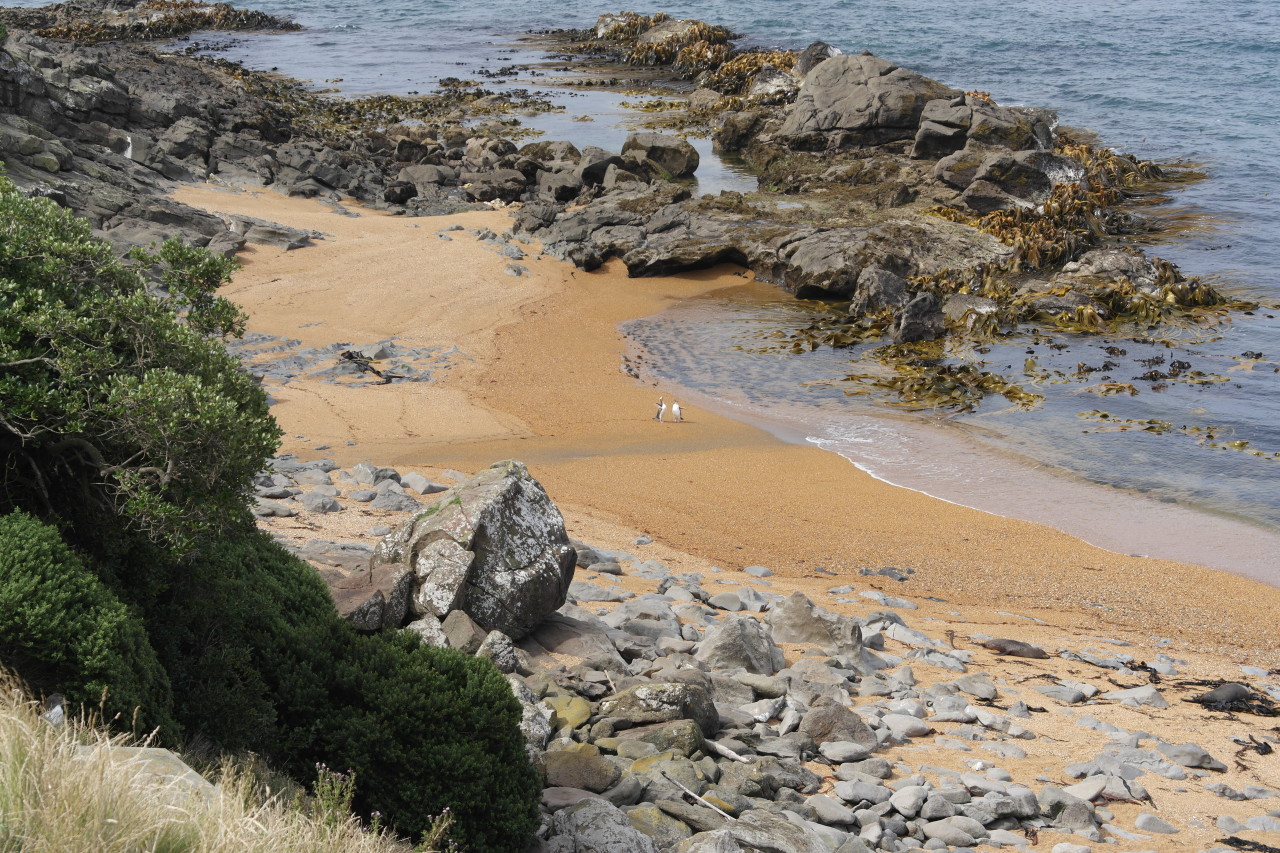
{"type": "Point", "coordinates": [537, 377]}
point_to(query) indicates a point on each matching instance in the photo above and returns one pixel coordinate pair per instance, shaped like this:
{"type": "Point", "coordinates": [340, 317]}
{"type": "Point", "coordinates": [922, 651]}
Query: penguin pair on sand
{"type": "Point", "coordinates": [676, 415]}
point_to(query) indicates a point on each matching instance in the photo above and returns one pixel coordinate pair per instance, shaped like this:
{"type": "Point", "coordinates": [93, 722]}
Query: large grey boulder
{"type": "Point", "coordinates": [494, 546]}
{"type": "Point", "coordinates": [661, 154]}
{"type": "Point", "coordinates": [740, 642]}
{"type": "Point", "coordinates": [663, 702]}
{"type": "Point", "coordinates": [828, 720]}
{"type": "Point", "coordinates": [798, 620]}
{"type": "Point", "coordinates": [596, 826]}
{"type": "Point", "coordinates": [765, 832]}
{"type": "Point", "coordinates": [863, 99]}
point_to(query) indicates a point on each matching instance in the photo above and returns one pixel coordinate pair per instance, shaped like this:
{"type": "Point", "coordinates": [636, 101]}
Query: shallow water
{"type": "Point", "coordinates": [1165, 79]}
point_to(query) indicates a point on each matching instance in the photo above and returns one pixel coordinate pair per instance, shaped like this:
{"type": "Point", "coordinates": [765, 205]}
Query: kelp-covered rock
{"type": "Point", "coordinates": [494, 547]}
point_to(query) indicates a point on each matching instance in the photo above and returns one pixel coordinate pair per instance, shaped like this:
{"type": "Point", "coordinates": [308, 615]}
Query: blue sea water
{"type": "Point", "coordinates": [1163, 79]}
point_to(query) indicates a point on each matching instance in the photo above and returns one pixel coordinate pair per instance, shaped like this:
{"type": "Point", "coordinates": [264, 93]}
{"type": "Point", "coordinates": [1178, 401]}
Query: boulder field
{"type": "Point", "coordinates": [700, 712]}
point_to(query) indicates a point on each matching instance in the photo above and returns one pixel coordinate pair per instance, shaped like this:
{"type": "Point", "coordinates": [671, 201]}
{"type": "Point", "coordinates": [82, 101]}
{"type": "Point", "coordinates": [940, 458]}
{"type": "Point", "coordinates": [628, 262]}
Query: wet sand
{"type": "Point", "coordinates": [540, 381]}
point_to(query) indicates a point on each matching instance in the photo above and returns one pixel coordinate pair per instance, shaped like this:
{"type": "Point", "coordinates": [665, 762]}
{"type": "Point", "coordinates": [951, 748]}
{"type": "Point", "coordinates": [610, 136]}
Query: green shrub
{"type": "Point", "coordinates": [63, 631]}
{"type": "Point", "coordinates": [423, 730]}
{"type": "Point", "coordinates": [230, 614]}
{"type": "Point", "coordinates": [120, 408]}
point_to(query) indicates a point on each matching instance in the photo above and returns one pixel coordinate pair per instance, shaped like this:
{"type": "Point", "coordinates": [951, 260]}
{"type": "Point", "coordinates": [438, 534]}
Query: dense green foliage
{"type": "Point", "coordinates": [131, 433]}
{"type": "Point", "coordinates": [433, 727]}
{"type": "Point", "coordinates": [113, 411]}
{"type": "Point", "coordinates": [65, 631]}
{"type": "Point", "coordinates": [229, 618]}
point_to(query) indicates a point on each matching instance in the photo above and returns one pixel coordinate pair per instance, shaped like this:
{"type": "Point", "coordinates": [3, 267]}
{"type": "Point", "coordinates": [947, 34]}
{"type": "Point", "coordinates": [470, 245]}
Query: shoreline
{"type": "Point", "coordinates": [543, 385]}
{"type": "Point", "coordinates": [1111, 518]}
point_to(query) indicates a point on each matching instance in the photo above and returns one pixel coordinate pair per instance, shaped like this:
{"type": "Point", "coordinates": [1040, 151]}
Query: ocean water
{"type": "Point", "coordinates": [1163, 79]}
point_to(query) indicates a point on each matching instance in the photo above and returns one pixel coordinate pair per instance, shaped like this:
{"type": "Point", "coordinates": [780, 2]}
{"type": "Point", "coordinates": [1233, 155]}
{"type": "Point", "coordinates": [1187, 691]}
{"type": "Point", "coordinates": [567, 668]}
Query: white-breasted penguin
{"type": "Point", "coordinates": [675, 412]}
{"type": "Point", "coordinates": [662, 409]}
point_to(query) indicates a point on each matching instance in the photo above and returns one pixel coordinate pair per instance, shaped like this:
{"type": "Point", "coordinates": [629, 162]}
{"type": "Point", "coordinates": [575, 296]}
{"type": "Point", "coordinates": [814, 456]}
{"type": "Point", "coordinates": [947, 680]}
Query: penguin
{"type": "Point", "coordinates": [662, 409]}
{"type": "Point", "coordinates": [675, 412]}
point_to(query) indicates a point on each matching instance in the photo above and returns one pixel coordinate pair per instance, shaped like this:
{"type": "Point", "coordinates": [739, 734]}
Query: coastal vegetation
{"type": "Point", "coordinates": [135, 583]}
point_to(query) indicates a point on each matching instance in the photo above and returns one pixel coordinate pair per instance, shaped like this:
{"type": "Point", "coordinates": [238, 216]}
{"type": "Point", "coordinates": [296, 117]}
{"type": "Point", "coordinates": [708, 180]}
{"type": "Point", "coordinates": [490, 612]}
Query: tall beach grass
{"type": "Point", "coordinates": [70, 788]}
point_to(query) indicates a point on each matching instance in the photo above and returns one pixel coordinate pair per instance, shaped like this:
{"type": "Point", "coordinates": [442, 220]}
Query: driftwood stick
{"type": "Point", "coordinates": [724, 814]}
{"type": "Point", "coordinates": [726, 751]}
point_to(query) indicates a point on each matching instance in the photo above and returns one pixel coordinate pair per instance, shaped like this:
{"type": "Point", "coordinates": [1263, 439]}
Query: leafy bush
{"type": "Point", "coordinates": [231, 615]}
{"type": "Point", "coordinates": [422, 729]}
{"type": "Point", "coordinates": [65, 632]}
{"type": "Point", "coordinates": [119, 406]}
{"type": "Point", "coordinates": [124, 420]}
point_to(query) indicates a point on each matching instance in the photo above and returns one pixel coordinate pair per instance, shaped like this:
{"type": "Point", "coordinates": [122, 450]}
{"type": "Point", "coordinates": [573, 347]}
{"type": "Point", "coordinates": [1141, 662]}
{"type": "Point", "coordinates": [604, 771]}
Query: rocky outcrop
{"type": "Point", "coordinates": [493, 547]}
{"type": "Point", "coordinates": [656, 232]}
{"type": "Point", "coordinates": [859, 100]}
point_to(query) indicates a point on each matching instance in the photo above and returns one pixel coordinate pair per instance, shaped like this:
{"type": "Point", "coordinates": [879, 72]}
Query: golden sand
{"type": "Point", "coordinates": [539, 380]}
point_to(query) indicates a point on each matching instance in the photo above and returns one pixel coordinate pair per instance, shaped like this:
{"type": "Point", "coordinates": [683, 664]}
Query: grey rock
{"type": "Point", "coordinates": [796, 619]}
{"type": "Point", "coordinates": [948, 833]}
{"type": "Point", "coordinates": [661, 155]}
{"type": "Point", "coordinates": [597, 826]}
{"type": "Point", "coordinates": [554, 799]}
{"type": "Point", "coordinates": [535, 718]}
{"type": "Point", "coordinates": [864, 99]}
{"type": "Point", "coordinates": [374, 599]}
{"type": "Point", "coordinates": [761, 831]}
{"type": "Point", "coordinates": [830, 811]}
{"type": "Point", "coordinates": [1144, 695]}
{"type": "Point", "coordinates": [719, 841]}
{"type": "Point", "coordinates": [498, 648]}
{"type": "Point", "coordinates": [842, 751]}
{"type": "Point", "coordinates": [421, 484]}
{"type": "Point", "coordinates": [573, 632]}
{"type": "Point", "coordinates": [577, 769]}
{"type": "Point", "coordinates": [394, 501]}
{"type": "Point", "coordinates": [269, 509]}
{"type": "Point", "coordinates": [828, 720]}
{"type": "Point", "coordinates": [908, 801]}
{"type": "Point", "coordinates": [583, 591]}
{"type": "Point", "coordinates": [740, 641]}
{"type": "Point", "coordinates": [1228, 824]}
{"type": "Point", "coordinates": [697, 818]}
{"type": "Point", "coordinates": [520, 562]}
{"type": "Point", "coordinates": [663, 702]}
{"type": "Point", "coordinates": [1147, 822]}
{"type": "Point", "coordinates": [905, 725]}
{"type": "Point", "coordinates": [1061, 692]}
{"type": "Point", "coordinates": [1190, 755]}
{"type": "Point", "coordinates": [462, 632]}
{"type": "Point", "coordinates": [862, 792]}
{"type": "Point", "coordinates": [1065, 810]}
{"type": "Point", "coordinates": [1067, 847]}
{"type": "Point", "coordinates": [937, 807]}
{"type": "Point", "coordinates": [371, 475]}
{"type": "Point", "coordinates": [319, 503]}
{"type": "Point", "coordinates": [429, 631]}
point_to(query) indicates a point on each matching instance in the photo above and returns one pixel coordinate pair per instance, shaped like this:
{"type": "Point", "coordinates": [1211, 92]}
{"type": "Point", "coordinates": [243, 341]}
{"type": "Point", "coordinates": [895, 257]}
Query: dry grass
{"type": "Point", "coordinates": [61, 790]}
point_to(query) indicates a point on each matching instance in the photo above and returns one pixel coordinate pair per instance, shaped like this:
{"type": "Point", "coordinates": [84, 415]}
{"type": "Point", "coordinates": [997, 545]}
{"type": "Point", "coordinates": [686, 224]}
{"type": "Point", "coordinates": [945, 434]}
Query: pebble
{"type": "Point", "coordinates": [888, 600]}
{"type": "Point", "coordinates": [1147, 822]}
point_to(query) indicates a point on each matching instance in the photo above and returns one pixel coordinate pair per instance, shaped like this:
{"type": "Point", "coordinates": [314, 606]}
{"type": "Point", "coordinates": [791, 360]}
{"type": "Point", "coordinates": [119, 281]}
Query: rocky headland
{"type": "Point", "coordinates": [748, 674]}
